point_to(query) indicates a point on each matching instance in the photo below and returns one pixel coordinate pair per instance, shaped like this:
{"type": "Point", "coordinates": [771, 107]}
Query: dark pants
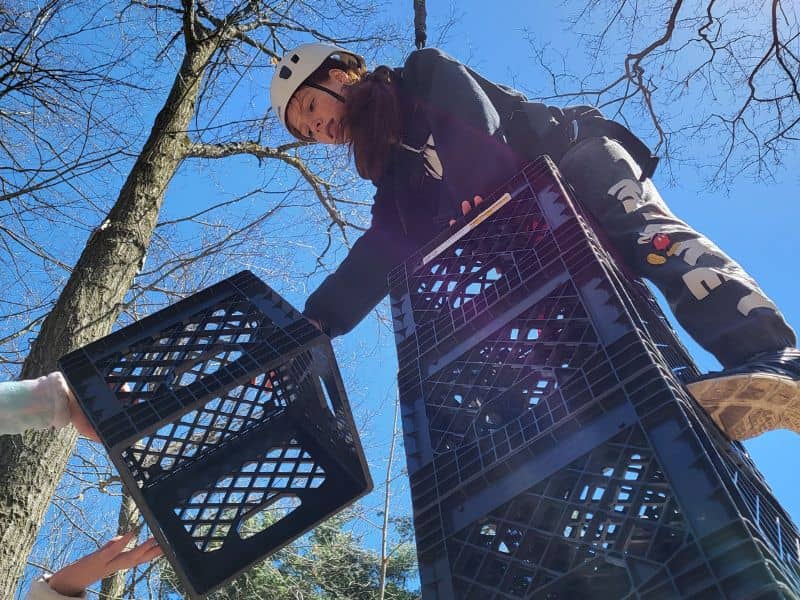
{"type": "Point", "coordinates": [712, 297]}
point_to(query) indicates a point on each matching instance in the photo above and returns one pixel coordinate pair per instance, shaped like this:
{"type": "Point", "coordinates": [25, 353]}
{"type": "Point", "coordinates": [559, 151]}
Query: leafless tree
{"type": "Point", "coordinates": [735, 65]}
{"type": "Point", "coordinates": [212, 48]}
{"type": "Point", "coordinates": [59, 142]}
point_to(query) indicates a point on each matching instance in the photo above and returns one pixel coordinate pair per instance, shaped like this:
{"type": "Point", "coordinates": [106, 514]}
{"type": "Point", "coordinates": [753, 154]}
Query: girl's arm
{"type": "Point", "coordinates": [347, 295]}
{"type": "Point", "coordinates": [71, 581]}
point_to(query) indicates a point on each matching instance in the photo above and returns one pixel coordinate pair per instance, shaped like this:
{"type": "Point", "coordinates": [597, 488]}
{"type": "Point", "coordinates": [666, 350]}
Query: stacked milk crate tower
{"type": "Point", "coordinates": [552, 450]}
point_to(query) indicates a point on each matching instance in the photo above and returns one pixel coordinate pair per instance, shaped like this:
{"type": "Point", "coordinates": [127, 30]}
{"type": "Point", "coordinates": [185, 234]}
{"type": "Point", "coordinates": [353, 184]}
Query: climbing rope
{"type": "Point", "coordinates": [420, 35]}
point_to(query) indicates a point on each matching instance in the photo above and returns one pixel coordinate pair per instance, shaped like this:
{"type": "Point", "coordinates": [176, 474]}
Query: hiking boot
{"type": "Point", "coordinates": [758, 396]}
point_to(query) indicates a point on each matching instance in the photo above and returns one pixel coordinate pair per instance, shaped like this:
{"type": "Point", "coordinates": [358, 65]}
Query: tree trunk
{"type": "Point", "coordinates": [32, 464]}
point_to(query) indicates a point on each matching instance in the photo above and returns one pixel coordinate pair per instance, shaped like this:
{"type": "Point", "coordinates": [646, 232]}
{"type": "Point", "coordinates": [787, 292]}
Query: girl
{"type": "Point", "coordinates": [434, 133]}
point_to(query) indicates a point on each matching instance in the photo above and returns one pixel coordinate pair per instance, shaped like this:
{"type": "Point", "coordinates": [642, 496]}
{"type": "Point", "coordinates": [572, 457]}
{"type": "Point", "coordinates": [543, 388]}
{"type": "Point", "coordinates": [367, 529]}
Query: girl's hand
{"type": "Point", "coordinates": [467, 206]}
{"type": "Point", "coordinates": [113, 557]}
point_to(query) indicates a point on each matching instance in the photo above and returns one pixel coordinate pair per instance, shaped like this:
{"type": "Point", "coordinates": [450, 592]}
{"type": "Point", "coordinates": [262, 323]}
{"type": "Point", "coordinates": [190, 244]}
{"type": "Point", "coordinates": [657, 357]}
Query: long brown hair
{"type": "Point", "coordinates": [373, 119]}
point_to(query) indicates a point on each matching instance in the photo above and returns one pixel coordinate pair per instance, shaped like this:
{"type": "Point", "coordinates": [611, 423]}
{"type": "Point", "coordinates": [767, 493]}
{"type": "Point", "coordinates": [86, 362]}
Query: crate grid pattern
{"type": "Point", "coordinates": [227, 420]}
{"type": "Point", "coordinates": [493, 382]}
{"type": "Point", "coordinates": [552, 450]}
{"type": "Point", "coordinates": [513, 249]}
{"type": "Point", "coordinates": [208, 514]}
{"type": "Point", "coordinates": [516, 253]}
{"type": "Point", "coordinates": [201, 430]}
{"type": "Point", "coordinates": [615, 499]}
{"type": "Point", "coordinates": [758, 505]}
{"type": "Point", "coordinates": [190, 351]}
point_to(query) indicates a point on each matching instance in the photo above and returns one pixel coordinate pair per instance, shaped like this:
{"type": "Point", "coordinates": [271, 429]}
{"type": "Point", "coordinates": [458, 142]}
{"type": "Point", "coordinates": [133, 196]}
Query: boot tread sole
{"type": "Point", "coordinates": [747, 405]}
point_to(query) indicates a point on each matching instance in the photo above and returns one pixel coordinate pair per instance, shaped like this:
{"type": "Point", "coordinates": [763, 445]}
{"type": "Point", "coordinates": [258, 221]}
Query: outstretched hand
{"type": "Point", "coordinates": [113, 557]}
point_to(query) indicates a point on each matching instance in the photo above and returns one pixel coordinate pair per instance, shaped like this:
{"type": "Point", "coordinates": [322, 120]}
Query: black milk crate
{"type": "Point", "coordinates": [645, 514]}
{"type": "Point", "coordinates": [226, 418]}
{"type": "Point", "coordinates": [476, 308]}
{"type": "Point", "coordinates": [537, 379]}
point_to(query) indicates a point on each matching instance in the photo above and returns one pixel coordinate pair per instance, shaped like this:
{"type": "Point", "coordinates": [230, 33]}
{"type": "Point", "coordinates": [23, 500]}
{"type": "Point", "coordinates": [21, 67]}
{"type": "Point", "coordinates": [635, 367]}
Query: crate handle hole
{"type": "Point", "coordinates": [265, 516]}
{"type": "Point", "coordinates": [327, 396]}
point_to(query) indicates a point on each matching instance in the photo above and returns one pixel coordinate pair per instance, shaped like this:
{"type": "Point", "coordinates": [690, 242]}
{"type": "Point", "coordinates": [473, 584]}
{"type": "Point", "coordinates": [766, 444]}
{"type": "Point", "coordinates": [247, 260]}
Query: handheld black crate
{"type": "Point", "coordinates": [227, 420]}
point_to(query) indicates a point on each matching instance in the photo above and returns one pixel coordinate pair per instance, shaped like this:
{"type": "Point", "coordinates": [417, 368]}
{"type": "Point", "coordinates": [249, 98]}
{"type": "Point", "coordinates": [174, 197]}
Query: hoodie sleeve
{"type": "Point", "coordinates": [359, 283]}
{"type": "Point", "coordinates": [34, 404]}
{"type": "Point", "coordinates": [465, 124]}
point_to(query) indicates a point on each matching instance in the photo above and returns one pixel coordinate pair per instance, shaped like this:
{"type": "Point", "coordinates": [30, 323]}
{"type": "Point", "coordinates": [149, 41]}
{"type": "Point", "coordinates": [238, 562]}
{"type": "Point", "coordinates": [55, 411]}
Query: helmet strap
{"type": "Point", "coordinates": [321, 88]}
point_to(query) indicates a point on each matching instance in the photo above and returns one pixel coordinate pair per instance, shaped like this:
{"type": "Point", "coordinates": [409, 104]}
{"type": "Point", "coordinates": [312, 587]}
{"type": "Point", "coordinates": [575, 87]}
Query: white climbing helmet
{"type": "Point", "coordinates": [296, 66]}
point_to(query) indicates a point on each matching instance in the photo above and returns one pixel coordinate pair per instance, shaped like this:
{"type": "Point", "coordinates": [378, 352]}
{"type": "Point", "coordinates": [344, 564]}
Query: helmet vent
{"type": "Point", "coordinates": [295, 59]}
{"type": "Point", "coordinates": [285, 73]}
